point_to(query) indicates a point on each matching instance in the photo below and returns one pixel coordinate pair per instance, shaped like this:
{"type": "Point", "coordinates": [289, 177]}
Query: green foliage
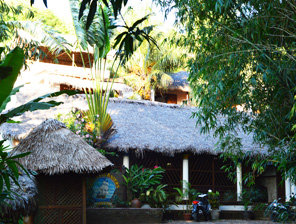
{"type": "Point", "coordinates": [46, 17]}
{"type": "Point", "coordinates": [19, 30]}
{"type": "Point", "coordinates": [147, 69]}
{"type": "Point", "coordinates": [100, 124]}
{"type": "Point", "coordinates": [284, 212]}
{"type": "Point", "coordinates": [186, 194]}
{"type": "Point", "coordinates": [251, 195]}
{"type": "Point", "coordinates": [157, 197]}
{"type": "Point", "coordinates": [12, 64]}
{"type": "Point", "coordinates": [93, 5]}
{"type": "Point", "coordinates": [119, 203]}
{"type": "Point", "coordinates": [214, 199]}
{"type": "Point", "coordinates": [243, 69]}
{"type": "Point", "coordinates": [9, 170]}
{"type": "Point", "coordinates": [139, 180]}
{"type": "Point", "coordinates": [76, 121]}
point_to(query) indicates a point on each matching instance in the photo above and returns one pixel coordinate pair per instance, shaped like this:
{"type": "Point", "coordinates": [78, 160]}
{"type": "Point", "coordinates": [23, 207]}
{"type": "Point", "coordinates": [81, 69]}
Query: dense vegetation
{"type": "Point", "coordinates": [244, 70]}
{"type": "Point", "coordinates": [46, 17]}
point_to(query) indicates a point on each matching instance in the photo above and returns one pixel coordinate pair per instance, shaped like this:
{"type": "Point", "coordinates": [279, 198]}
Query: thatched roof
{"type": "Point", "coordinates": [164, 128]}
{"type": "Point", "coordinates": [140, 126]}
{"type": "Point", "coordinates": [78, 78]}
{"type": "Point", "coordinates": [180, 81]}
{"type": "Point", "coordinates": [57, 150]}
{"type": "Point", "coordinates": [23, 201]}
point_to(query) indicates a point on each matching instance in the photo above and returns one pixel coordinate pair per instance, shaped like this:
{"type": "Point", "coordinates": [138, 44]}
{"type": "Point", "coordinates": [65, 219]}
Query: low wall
{"type": "Point", "coordinates": [123, 215]}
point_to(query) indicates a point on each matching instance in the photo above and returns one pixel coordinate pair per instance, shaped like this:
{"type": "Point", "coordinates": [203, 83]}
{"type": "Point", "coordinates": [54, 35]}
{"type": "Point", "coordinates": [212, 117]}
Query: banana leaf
{"type": "Point", "coordinates": [35, 105]}
{"type": "Point", "coordinates": [9, 70]}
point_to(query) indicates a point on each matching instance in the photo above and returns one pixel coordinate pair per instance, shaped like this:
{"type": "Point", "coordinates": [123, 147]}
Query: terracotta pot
{"type": "Point", "coordinates": [187, 216]}
{"type": "Point", "coordinates": [135, 203]}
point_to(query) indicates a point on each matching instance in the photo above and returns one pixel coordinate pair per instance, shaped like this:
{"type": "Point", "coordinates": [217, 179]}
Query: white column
{"type": "Point", "coordinates": [288, 189]}
{"type": "Point", "coordinates": [239, 181]}
{"type": "Point", "coordinates": [126, 161]}
{"type": "Point", "coordinates": [185, 172]}
{"type": "Point", "coordinates": [293, 189]}
{"type": "Point", "coordinates": [152, 95]}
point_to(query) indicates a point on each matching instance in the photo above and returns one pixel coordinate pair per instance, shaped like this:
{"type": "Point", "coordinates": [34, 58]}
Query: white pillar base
{"type": "Point", "coordinates": [288, 189]}
{"type": "Point", "coordinates": [126, 161]}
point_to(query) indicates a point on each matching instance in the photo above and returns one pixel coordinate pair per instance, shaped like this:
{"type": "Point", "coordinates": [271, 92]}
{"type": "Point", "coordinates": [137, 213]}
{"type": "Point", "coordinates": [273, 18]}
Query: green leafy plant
{"type": "Point", "coordinates": [76, 121]}
{"type": "Point", "coordinates": [139, 179]}
{"type": "Point", "coordinates": [251, 195]}
{"type": "Point", "coordinates": [157, 197]}
{"type": "Point", "coordinates": [19, 30]}
{"type": "Point", "coordinates": [119, 203]}
{"type": "Point", "coordinates": [97, 35]}
{"type": "Point", "coordinates": [9, 170]}
{"type": "Point", "coordinates": [214, 199]}
{"type": "Point", "coordinates": [186, 194]}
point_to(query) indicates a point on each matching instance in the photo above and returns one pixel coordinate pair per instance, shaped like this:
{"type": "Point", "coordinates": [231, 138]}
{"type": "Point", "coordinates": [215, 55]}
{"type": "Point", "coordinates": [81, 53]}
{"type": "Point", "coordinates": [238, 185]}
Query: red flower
{"type": "Point", "coordinates": [155, 167]}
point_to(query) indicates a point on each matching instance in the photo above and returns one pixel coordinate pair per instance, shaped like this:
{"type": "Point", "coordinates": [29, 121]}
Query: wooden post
{"type": "Point", "coordinates": [213, 174]}
{"type": "Point", "coordinates": [83, 200]}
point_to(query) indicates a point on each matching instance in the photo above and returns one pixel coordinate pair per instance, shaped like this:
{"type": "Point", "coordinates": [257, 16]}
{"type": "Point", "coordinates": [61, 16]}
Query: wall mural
{"type": "Point", "coordinates": [101, 190]}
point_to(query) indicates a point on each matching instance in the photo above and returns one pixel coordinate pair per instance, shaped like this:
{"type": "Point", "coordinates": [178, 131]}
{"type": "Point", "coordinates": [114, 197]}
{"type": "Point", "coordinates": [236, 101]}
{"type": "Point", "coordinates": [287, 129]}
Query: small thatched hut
{"type": "Point", "coordinates": [177, 92]}
{"type": "Point", "coordinates": [23, 200]}
{"type": "Point", "coordinates": [61, 158]}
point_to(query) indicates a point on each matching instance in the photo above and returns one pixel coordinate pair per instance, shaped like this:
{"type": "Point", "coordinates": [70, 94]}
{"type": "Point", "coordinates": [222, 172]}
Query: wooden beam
{"type": "Point", "coordinates": [83, 200]}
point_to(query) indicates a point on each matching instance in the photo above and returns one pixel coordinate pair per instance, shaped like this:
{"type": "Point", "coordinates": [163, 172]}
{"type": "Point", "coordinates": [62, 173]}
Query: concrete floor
{"type": "Point", "coordinates": [224, 222]}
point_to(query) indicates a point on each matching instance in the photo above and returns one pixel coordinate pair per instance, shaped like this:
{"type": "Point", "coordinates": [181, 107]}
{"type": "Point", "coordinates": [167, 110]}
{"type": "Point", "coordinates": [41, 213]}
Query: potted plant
{"type": "Point", "coordinates": [138, 180]}
{"type": "Point", "coordinates": [186, 194]}
{"type": "Point", "coordinates": [248, 196]}
{"type": "Point", "coordinates": [214, 200]}
{"type": "Point", "coordinates": [156, 197]}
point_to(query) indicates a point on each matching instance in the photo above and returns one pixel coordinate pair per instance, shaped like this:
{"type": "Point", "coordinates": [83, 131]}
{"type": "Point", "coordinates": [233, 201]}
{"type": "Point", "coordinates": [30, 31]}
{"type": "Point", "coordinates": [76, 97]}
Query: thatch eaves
{"type": "Point", "coordinates": [163, 128]}
{"type": "Point", "coordinates": [57, 150]}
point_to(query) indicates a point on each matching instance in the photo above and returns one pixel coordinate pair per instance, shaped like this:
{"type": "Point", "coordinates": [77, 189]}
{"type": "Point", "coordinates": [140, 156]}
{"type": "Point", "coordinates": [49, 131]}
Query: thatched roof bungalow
{"type": "Point", "coordinates": [177, 92]}
{"type": "Point", "coordinates": [149, 134]}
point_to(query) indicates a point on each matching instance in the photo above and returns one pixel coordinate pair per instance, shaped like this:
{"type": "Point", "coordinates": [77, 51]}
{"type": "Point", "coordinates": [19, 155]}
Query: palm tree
{"type": "Point", "coordinates": [97, 35]}
{"type": "Point", "coordinates": [147, 70]}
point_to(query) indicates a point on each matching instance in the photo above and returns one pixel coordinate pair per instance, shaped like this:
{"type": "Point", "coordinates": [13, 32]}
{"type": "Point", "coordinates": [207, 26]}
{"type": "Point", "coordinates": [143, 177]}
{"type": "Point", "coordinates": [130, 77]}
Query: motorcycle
{"type": "Point", "coordinates": [281, 212]}
{"type": "Point", "coordinates": [201, 208]}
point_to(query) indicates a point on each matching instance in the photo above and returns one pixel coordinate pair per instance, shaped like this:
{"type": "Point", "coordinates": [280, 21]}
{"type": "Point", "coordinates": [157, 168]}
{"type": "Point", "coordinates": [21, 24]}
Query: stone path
{"type": "Point", "coordinates": [225, 222]}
